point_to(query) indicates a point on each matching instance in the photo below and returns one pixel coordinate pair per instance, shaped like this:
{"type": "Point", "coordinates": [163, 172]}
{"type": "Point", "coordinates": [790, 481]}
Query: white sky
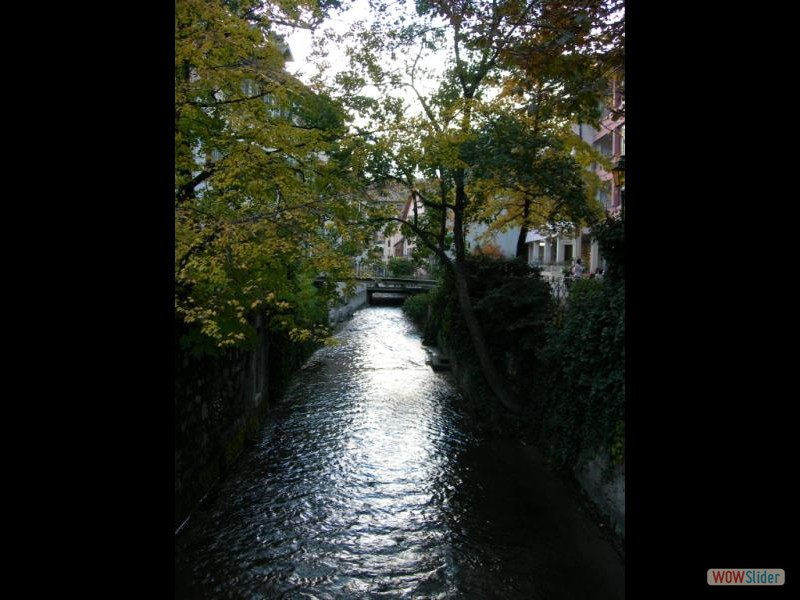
{"type": "Point", "coordinates": [301, 40]}
{"type": "Point", "coordinates": [301, 44]}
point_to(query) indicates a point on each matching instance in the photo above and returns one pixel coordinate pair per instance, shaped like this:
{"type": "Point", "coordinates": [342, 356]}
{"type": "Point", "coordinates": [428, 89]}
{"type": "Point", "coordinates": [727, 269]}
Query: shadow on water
{"type": "Point", "coordinates": [369, 482]}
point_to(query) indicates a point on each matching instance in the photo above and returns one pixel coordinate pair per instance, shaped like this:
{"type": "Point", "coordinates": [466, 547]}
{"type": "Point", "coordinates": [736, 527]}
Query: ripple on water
{"type": "Point", "coordinates": [358, 488]}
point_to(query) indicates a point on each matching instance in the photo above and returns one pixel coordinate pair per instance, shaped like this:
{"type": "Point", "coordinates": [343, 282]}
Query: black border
{"type": "Point", "coordinates": [708, 313]}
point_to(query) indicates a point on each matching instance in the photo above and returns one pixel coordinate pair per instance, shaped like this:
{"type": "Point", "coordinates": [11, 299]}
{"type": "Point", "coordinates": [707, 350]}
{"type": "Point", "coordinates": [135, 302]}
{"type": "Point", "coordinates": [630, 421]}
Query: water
{"type": "Point", "coordinates": [370, 482]}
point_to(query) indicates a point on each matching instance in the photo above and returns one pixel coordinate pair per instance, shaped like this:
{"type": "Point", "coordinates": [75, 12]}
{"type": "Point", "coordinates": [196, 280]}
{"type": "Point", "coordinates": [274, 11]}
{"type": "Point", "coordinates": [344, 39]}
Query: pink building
{"type": "Point", "coordinates": [553, 253]}
{"type": "Point", "coordinates": [609, 139]}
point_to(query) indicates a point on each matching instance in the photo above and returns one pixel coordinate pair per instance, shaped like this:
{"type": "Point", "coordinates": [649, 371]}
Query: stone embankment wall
{"type": "Point", "coordinates": [220, 404]}
{"type": "Point", "coordinates": [604, 486]}
{"type": "Point", "coordinates": [349, 304]}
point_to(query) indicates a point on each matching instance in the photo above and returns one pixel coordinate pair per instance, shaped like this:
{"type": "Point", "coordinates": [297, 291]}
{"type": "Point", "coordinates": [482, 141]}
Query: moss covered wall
{"type": "Point", "coordinates": [603, 483]}
{"type": "Point", "coordinates": [565, 363]}
{"type": "Point", "coordinates": [220, 404]}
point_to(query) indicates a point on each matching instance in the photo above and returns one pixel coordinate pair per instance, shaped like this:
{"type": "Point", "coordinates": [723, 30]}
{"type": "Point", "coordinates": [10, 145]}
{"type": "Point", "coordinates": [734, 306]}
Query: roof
{"type": "Point", "coordinates": [534, 236]}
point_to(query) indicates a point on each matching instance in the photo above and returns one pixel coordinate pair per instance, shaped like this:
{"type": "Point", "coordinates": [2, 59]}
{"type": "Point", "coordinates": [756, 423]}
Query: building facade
{"type": "Point", "coordinates": [555, 252]}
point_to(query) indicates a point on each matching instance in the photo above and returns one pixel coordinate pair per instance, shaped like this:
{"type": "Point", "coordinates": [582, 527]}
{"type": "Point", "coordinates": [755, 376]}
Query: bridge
{"type": "Point", "coordinates": [396, 287]}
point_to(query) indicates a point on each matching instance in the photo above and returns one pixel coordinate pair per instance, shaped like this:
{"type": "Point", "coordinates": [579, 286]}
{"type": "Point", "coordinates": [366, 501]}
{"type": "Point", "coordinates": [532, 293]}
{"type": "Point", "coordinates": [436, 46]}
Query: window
{"type": "Point", "coordinates": [604, 194]}
{"type": "Point", "coordinates": [248, 88]}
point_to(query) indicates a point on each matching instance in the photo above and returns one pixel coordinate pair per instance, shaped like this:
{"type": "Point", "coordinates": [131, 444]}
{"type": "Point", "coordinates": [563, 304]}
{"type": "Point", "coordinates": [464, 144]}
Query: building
{"type": "Point", "coordinates": [392, 197]}
{"type": "Point", "coordinates": [554, 252]}
{"type": "Point", "coordinates": [503, 242]}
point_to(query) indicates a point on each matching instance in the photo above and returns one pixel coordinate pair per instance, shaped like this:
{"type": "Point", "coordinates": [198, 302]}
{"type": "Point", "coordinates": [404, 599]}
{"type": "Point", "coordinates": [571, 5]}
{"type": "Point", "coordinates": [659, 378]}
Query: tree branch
{"type": "Point", "coordinates": [423, 236]}
{"type": "Point", "coordinates": [186, 191]}
{"type": "Point", "coordinates": [425, 107]}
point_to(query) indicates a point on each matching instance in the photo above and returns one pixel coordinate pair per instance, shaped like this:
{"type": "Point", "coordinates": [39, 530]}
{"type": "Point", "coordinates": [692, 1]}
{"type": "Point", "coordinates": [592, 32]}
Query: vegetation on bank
{"type": "Point", "coordinates": [566, 361]}
{"type": "Point", "coordinates": [272, 177]}
{"type": "Point", "coordinates": [581, 402]}
{"type": "Point", "coordinates": [273, 174]}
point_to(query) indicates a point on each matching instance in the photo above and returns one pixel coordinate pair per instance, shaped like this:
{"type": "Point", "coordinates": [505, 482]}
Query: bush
{"type": "Point", "coordinates": [610, 234]}
{"type": "Point", "coordinates": [513, 306]}
{"type": "Point", "coordinates": [416, 307]}
{"type": "Point", "coordinates": [400, 267]}
{"type": "Point", "coordinates": [582, 402]}
{"type": "Point", "coordinates": [569, 364]}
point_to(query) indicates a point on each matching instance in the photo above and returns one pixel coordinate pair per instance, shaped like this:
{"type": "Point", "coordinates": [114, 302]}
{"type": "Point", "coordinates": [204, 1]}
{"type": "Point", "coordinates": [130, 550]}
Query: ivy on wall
{"type": "Point", "coordinates": [581, 398]}
{"type": "Point", "coordinates": [567, 363]}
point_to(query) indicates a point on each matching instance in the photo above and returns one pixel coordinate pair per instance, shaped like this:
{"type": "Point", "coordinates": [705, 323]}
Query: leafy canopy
{"type": "Point", "coordinates": [265, 200]}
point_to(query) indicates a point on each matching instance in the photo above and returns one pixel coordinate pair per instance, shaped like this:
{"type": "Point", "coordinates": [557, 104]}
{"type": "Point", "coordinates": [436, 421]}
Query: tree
{"type": "Point", "coordinates": [557, 75]}
{"type": "Point", "coordinates": [264, 197]}
{"type": "Point", "coordinates": [481, 38]}
{"type": "Point", "coordinates": [529, 173]}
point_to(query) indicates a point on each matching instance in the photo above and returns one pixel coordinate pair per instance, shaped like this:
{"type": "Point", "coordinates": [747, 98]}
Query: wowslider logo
{"type": "Point", "coordinates": [745, 577]}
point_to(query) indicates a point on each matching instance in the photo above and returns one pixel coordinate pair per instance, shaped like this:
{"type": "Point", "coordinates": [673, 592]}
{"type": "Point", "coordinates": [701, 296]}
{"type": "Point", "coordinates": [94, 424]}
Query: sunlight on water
{"type": "Point", "coordinates": [364, 485]}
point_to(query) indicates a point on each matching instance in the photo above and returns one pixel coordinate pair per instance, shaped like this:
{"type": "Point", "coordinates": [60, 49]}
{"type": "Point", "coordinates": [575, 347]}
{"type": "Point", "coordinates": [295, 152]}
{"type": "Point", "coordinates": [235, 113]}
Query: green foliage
{"type": "Point", "coordinates": [570, 364]}
{"type": "Point", "coordinates": [400, 267]}
{"type": "Point", "coordinates": [610, 235]}
{"type": "Point", "coordinates": [581, 405]}
{"type": "Point", "coordinates": [416, 307]}
{"type": "Point", "coordinates": [265, 198]}
{"type": "Point", "coordinates": [525, 174]}
{"type": "Point", "coordinates": [618, 443]}
{"type": "Point", "coordinates": [513, 305]}
{"type": "Point", "coordinates": [443, 313]}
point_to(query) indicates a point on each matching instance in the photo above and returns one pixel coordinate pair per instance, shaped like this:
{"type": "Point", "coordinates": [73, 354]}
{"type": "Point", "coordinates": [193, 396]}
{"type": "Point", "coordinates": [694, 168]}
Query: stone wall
{"type": "Point", "coordinates": [604, 486]}
{"type": "Point", "coordinates": [220, 404]}
{"type": "Point", "coordinates": [348, 304]}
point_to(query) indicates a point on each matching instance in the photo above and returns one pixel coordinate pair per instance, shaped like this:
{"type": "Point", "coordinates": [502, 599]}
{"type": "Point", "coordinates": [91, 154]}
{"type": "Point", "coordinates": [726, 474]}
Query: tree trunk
{"type": "Point", "coordinates": [521, 245]}
{"type": "Point", "coordinates": [493, 378]}
{"type": "Point", "coordinates": [523, 231]}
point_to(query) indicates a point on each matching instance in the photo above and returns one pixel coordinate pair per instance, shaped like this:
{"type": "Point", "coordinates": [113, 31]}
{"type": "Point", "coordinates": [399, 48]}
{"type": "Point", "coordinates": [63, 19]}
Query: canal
{"type": "Point", "coordinates": [370, 481]}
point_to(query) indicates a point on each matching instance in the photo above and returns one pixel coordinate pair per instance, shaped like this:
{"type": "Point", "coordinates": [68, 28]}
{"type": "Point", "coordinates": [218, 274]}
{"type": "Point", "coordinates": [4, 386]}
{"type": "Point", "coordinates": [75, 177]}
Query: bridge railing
{"type": "Point", "coordinates": [382, 271]}
{"type": "Point", "coordinates": [559, 284]}
{"type": "Point", "coordinates": [370, 271]}
{"type": "Point", "coordinates": [400, 282]}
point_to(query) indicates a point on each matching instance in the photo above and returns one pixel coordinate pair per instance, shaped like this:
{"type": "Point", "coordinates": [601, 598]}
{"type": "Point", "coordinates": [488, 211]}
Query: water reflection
{"type": "Point", "coordinates": [368, 483]}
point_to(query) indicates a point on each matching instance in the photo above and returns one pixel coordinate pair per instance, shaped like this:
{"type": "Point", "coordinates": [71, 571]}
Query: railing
{"type": "Point", "coordinates": [560, 289]}
{"type": "Point", "coordinates": [559, 283]}
{"type": "Point", "coordinates": [363, 271]}
{"type": "Point", "coordinates": [399, 282]}
{"type": "Point", "coordinates": [395, 287]}
{"type": "Point", "coordinates": [381, 271]}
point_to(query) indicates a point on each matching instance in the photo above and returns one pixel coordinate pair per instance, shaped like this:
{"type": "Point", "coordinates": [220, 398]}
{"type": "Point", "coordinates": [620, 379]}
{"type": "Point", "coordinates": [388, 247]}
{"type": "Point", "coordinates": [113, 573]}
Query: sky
{"type": "Point", "coordinates": [301, 44]}
{"type": "Point", "coordinates": [301, 40]}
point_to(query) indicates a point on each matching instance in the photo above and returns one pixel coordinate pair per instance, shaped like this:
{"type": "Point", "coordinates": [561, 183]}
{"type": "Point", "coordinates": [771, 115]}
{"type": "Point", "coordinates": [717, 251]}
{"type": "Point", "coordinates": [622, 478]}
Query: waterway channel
{"type": "Point", "coordinates": [371, 481]}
